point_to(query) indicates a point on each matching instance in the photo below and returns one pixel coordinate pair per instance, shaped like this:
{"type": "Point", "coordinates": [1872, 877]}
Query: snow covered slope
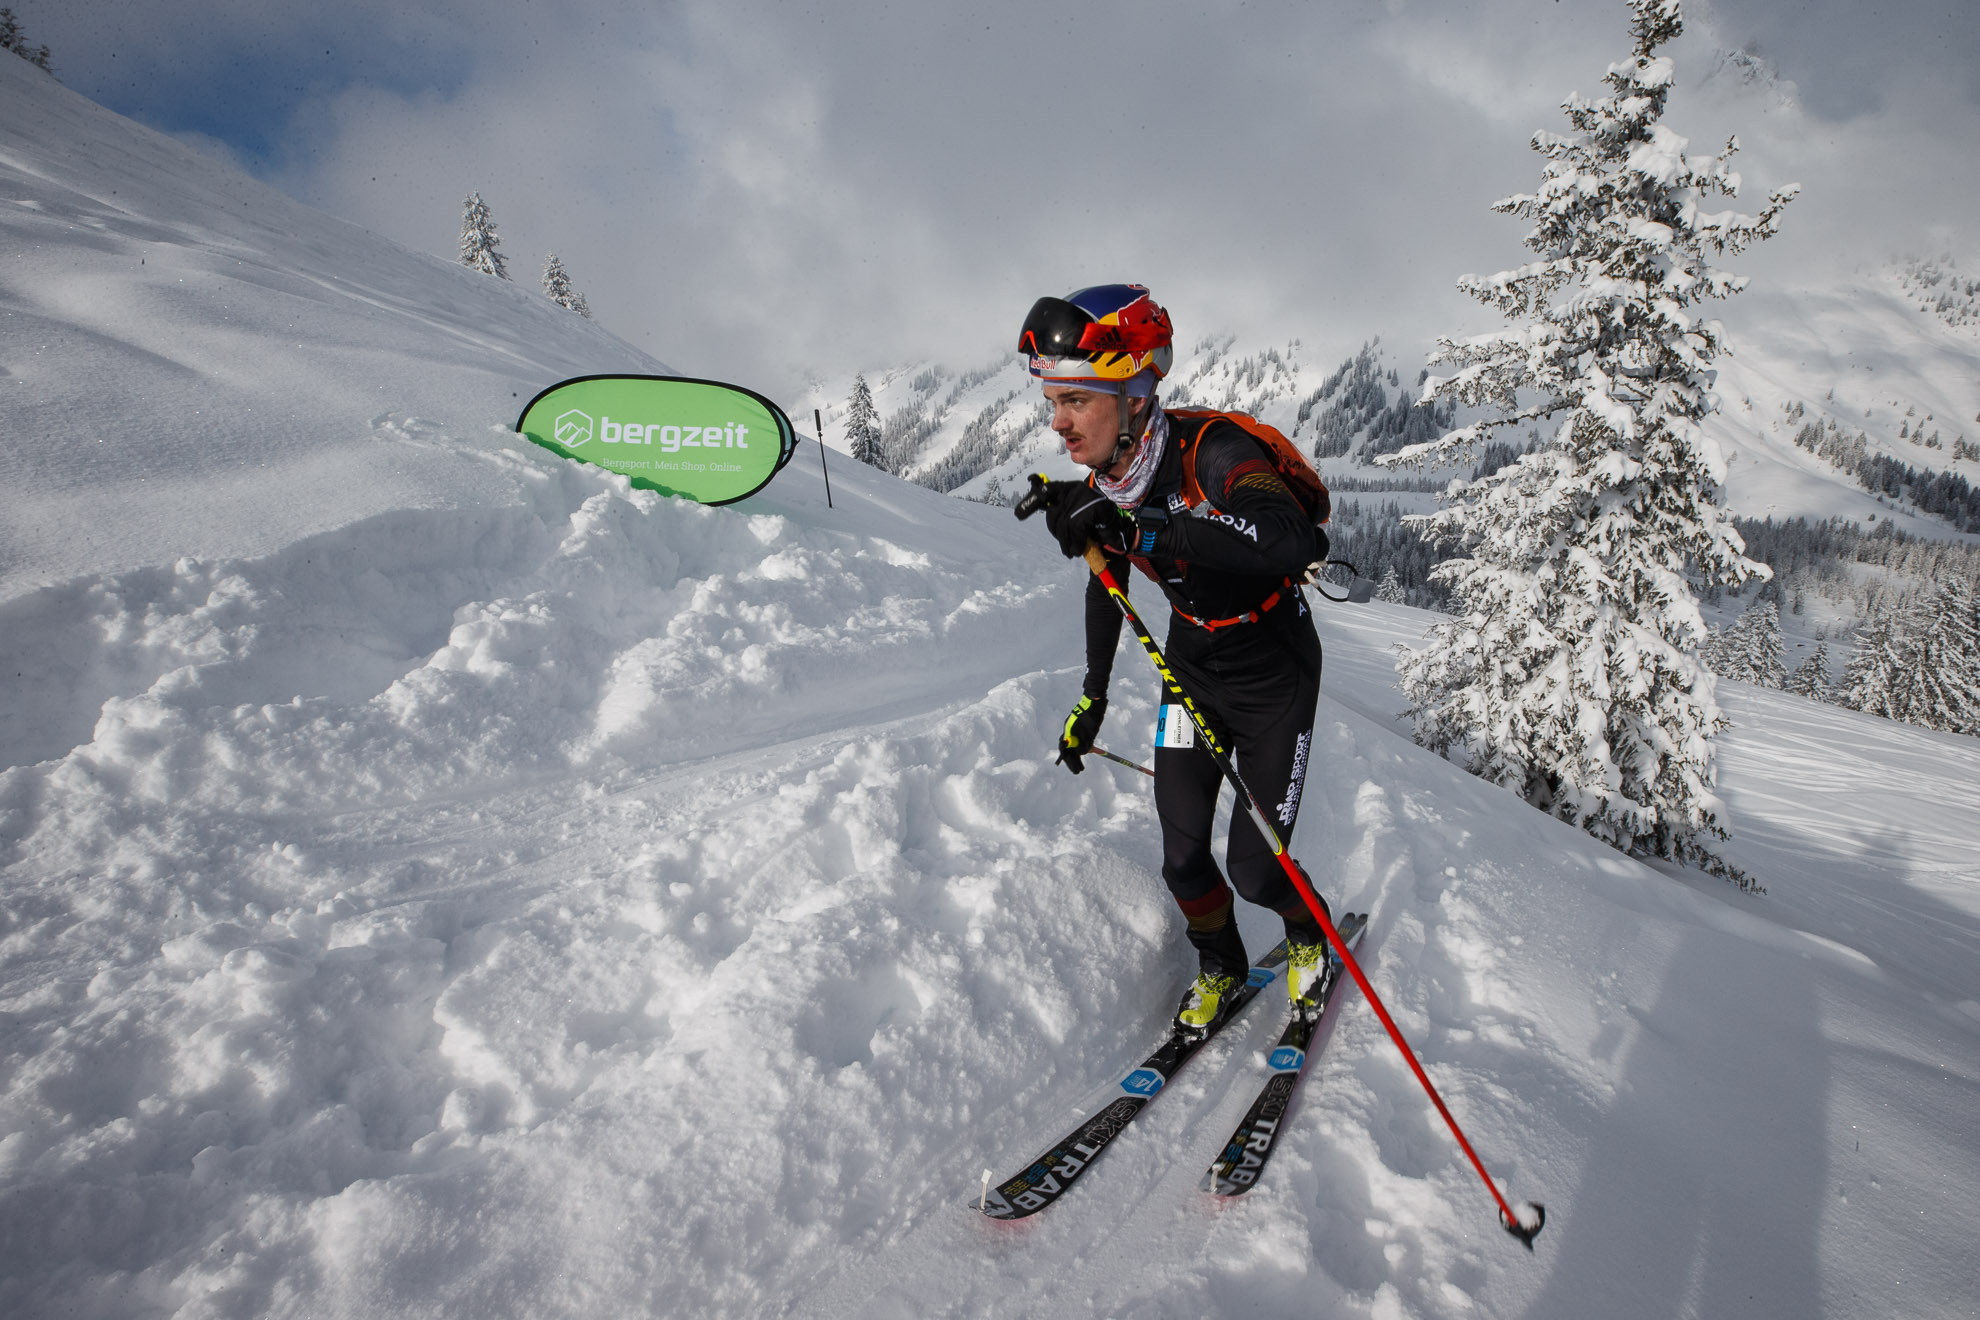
{"type": "Point", "coordinates": [1869, 355]}
{"type": "Point", "coordinates": [575, 902]}
{"type": "Point", "coordinates": [193, 364]}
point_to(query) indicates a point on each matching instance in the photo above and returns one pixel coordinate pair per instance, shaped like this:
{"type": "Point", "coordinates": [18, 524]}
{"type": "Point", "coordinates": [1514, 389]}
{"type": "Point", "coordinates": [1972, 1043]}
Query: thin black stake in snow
{"type": "Point", "coordinates": [1096, 560]}
{"type": "Point", "coordinates": [818, 424]}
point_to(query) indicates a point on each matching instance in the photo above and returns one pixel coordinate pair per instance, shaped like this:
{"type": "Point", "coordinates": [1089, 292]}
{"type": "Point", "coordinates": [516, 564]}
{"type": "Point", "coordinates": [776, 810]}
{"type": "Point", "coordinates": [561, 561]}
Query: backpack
{"type": "Point", "coordinates": [1291, 465]}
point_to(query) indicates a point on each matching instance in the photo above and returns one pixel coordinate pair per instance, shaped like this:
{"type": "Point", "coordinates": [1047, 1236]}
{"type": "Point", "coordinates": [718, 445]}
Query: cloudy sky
{"type": "Point", "coordinates": [762, 191]}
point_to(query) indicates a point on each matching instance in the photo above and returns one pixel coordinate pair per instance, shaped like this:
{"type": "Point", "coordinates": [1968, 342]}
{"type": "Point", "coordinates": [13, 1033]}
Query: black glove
{"type": "Point", "coordinates": [1082, 727]}
{"type": "Point", "coordinates": [1079, 514]}
{"type": "Point", "coordinates": [1076, 513]}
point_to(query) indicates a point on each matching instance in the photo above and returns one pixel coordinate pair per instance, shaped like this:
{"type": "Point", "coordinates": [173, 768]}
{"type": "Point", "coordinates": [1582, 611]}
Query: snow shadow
{"type": "Point", "coordinates": [1863, 829]}
{"type": "Point", "coordinates": [1702, 1192]}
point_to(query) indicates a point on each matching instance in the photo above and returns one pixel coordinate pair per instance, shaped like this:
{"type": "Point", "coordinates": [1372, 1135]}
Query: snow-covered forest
{"type": "Point", "coordinates": [437, 879]}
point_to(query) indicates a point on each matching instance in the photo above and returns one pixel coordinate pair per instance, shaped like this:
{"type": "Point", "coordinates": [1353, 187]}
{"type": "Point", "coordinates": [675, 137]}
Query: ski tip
{"type": "Point", "coordinates": [1532, 1218]}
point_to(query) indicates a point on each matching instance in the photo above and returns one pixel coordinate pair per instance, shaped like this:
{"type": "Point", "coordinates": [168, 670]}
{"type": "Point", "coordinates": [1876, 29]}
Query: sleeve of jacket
{"type": "Point", "coordinates": [1259, 526]}
{"type": "Point", "coordinates": [1103, 634]}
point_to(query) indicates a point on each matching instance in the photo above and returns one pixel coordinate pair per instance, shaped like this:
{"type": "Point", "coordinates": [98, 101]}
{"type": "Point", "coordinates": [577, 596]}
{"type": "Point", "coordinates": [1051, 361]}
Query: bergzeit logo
{"type": "Point", "coordinates": [671, 439]}
{"type": "Point", "coordinates": [573, 428]}
{"type": "Point", "coordinates": [637, 427]}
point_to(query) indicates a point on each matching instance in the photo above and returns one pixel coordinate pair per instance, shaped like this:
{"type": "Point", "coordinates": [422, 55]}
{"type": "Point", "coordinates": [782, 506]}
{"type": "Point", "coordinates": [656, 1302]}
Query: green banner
{"type": "Point", "coordinates": [710, 442]}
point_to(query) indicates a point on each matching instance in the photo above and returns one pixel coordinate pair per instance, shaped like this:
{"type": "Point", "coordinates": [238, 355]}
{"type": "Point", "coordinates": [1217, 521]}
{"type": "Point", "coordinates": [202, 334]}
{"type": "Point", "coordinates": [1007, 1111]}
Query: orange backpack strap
{"type": "Point", "coordinates": [1283, 454]}
{"type": "Point", "coordinates": [1192, 493]}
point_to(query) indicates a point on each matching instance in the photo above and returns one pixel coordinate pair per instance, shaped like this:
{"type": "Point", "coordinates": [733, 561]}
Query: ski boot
{"type": "Point", "coordinates": [1204, 1003]}
{"type": "Point", "coordinates": [1309, 971]}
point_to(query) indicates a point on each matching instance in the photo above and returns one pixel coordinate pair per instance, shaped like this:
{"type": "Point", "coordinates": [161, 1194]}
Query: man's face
{"type": "Point", "coordinates": [1089, 423]}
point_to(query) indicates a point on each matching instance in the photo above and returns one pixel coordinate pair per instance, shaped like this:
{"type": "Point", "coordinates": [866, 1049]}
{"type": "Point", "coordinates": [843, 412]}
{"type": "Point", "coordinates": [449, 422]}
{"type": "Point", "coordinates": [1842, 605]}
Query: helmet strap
{"type": "Point", "coordinates": [1124, 442]}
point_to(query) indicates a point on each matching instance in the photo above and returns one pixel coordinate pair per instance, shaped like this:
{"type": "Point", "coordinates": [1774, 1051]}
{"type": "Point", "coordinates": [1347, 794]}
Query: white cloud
{"type": "Point", "coordinates": [759, 190]}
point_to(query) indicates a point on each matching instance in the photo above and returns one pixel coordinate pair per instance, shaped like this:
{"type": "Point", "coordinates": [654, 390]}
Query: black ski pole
{"type": "Point", "coordinates": [818, 423]}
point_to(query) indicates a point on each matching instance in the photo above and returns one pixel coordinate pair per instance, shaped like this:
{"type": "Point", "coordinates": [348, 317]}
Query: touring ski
{"type": "Point", "coordinates": [1237, 1170]}
{"type": "Point", "coordinates": [1046, 1178]}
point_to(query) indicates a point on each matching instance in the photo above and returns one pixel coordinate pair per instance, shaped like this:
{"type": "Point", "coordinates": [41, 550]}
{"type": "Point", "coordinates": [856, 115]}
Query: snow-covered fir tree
{"type": "Point", "coordinates": [1570, 673]}
{"type": "Point", "coordinates": [1938, 690]}
{"type": "Point", "coordinates": [557, 285]}
{"type": "Point", "coordinates": [1919, 660]}
{"type": "Point", "coordinates": [1390, 589]}
{"type": "Point", "coordinates": [863, 424]}
{"type": "Point", "coordinates": [11, 39]}
{"type": "Point", "coordinates": [1956, 642]}
{"type": "Point", "coordinates": [1811, 677]}
{"type": "Point", "coordinates": [1766, 658]}
{"type": "Point", "coordinates": [480, 249]}
{"type": "Point", "coordinates": [1884, 647]}
{"type": "Point", "coordinates": [1750, 651]}
{"type": "Point", "coordinates": [1720, 644]}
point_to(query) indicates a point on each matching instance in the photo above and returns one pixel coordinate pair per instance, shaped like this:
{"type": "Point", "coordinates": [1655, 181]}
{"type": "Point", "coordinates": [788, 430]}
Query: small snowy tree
{"type": "Point", "coordinates": [1720, 645]}
{"type": "Point", "coordinates": [480, 249]}
{"type": "Point", "coordinates": [1811, 677]}
{"type": "Point", "coordinates": [1957, 624]}
{"type": "Point", "coordinates": [1884, 648]}
{"type": "Point", "coordinates": [557, 284]}
{"type": "Point", "coordinates": [11, 39]}
{"type": "Point", "coordinates": [1937, 690]}
{"type": "Point", "coordinates": [1570, 673]}
{"type": "Point", "coordinates": [1767, 657]}
{"type": "Point", "coordinates": [863, 424]}
{"type": "Point", "coordinates": [1390, 589]}
{"type": "Point", "coordinates": [1751, 650]}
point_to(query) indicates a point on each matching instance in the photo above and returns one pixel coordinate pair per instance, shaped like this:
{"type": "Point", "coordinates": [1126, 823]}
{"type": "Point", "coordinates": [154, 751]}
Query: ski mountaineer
{"type": "Point", "coordinates": [1241, 642]}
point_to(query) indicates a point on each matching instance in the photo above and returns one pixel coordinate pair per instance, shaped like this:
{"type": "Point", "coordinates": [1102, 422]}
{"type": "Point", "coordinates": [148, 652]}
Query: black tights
{"type": "Point", "coordinates": [1264, 713]}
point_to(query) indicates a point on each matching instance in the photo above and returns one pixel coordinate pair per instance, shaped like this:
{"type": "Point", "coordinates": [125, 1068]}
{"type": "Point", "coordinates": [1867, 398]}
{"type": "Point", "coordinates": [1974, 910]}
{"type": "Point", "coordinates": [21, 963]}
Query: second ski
{"type": "Point", "coordinates": [1237, 1169]}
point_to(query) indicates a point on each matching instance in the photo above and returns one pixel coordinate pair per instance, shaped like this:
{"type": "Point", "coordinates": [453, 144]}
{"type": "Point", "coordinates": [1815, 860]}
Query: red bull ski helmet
{"type": "Point", "coordinates": [1112, 338]}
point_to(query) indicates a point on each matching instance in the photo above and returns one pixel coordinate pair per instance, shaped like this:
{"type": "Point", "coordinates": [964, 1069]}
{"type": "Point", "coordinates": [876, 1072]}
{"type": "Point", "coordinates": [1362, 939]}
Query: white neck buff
{"type": "Point", "coordinates": [1132, 487]}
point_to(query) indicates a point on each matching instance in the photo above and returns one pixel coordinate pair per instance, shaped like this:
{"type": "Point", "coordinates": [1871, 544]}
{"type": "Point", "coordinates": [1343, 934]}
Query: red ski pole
{"type": "Point", "coordinates": [1097, 561]}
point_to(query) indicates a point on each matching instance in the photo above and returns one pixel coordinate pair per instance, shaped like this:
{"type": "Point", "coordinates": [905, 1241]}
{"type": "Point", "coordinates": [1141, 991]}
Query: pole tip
{"type": "Point", "coordinates": [1532, 1218]}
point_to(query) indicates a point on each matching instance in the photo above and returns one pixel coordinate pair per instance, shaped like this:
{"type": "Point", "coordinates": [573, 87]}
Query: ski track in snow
{"type": "Point", "coordinates": [441, 881]}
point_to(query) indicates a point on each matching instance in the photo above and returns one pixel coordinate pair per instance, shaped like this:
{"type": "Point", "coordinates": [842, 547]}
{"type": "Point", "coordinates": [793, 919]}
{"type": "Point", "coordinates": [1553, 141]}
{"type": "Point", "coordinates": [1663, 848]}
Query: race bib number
{"type": "Point", "coordinates": [1173, 728]}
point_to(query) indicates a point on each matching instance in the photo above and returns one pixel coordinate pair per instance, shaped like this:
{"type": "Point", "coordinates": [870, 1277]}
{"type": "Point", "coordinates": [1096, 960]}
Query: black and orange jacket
{"type": "Point", "coordinates": [1236, 553]}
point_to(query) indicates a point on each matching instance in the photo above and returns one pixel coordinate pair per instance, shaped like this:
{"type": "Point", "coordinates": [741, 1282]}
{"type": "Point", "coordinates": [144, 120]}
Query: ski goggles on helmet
{"type": "Point", "coordinates": [1109, 332]}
